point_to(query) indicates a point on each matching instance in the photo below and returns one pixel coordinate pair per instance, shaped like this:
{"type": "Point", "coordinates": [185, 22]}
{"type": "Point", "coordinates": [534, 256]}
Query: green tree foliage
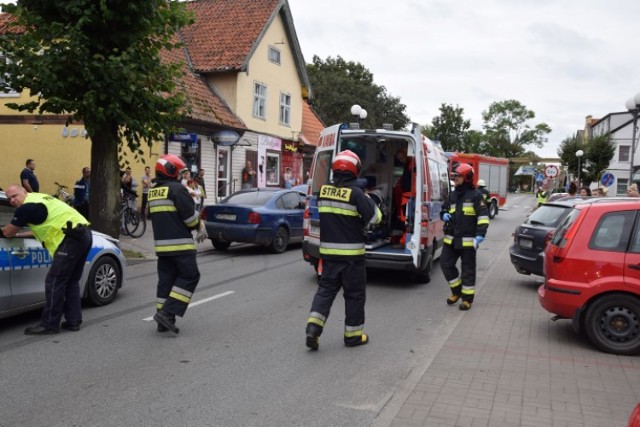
{"type": "Point", "coordinates": [598, 152]}
{"type": "Point", "coordinates": [507, 129]}
{"type": "Point", "coordinates": [100, 62]}
{"type": "Point", "coordinates": [338, 84]}
{"type": "Point", "coordinates": [450, 128]}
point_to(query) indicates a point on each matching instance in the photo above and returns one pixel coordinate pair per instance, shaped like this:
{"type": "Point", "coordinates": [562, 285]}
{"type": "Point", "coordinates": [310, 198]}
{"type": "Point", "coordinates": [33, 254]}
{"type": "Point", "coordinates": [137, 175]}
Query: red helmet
{"type": "Point", "coordinates": [170, 165]}
{"type": "Point", "coordinates": [347, 161]}
{"type": "Point", "coordinates": [465, 170]}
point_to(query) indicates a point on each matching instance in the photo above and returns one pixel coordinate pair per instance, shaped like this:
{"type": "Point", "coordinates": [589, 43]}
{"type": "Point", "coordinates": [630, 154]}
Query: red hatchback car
{"type": "Point", "coordinates": [592, 273]}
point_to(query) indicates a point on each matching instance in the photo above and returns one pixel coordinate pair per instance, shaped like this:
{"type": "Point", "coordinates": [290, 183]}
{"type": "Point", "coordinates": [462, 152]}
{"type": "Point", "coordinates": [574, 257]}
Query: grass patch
{"type": "Point", "coordinates": [132, 254]}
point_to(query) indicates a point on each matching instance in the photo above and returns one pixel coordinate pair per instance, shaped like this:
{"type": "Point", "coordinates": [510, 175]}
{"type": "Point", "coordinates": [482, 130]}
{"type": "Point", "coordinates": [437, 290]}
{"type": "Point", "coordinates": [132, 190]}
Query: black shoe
{"type": "Point", "coordinates": [162, 328]}
{"type": "Point", "coordinates": [166, 320]}
{"type": "Point", "coordinates": [40, 330]}
{"type": "Point", "coordinates": [362, 340]}
{"type": "Point", "coordinates": [74, 327]}
{"type": "Point", "coordinates": [313, 342]}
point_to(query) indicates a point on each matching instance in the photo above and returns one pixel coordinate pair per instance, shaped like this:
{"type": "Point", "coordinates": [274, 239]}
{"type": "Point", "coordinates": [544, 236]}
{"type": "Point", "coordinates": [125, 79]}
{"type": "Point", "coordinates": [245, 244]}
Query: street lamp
{"type": "Point", "coordinates": [633, 105]}
{"type": "Point", "coordinates": [579, 155]}
{"type": "Point", "coordinates": [359, 112]}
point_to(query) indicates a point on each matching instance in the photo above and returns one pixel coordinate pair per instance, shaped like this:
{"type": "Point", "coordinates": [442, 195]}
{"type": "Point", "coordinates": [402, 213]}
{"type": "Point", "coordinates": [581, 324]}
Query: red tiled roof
{"type": "Point", "coordinates": [225, 31]}
{"type": "Point", "coordinates": [311, 125]}
{"type": "Point", "coordinates": [6, 24]}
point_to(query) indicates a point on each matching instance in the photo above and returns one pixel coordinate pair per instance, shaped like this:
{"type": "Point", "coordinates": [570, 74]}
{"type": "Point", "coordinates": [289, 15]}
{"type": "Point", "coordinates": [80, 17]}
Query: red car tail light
{"type": "Point", "coordinates": [203, 215]}
{"type": "Point", "coordinates": [254, 218]}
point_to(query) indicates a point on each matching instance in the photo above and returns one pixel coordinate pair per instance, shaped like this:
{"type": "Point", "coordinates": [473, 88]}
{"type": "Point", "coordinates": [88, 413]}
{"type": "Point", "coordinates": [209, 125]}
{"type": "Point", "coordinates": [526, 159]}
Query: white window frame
{"type": "Point", "coordinates": [285, 109]}
{"type": "Point", "coordinates": [259, 100]}
{"type": "Point", "coordinates": [274, 55]}
{"type": "Point", "coordinates": [274, 178]}
{"type": "Point", "coordinates": [627, 152]}
{"type": "Point", "coordinates": [12, 93]}
{"type": "Point", "coordinates": [621, 186]}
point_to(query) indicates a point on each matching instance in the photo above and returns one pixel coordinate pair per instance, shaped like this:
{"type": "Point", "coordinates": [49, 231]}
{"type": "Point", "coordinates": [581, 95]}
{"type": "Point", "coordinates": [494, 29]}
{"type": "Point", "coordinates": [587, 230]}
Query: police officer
{"type": "Point", "coordinates": [541, 196]}
{"type": "Point", "coordinates": [67, 236]}
{"type": "Point", "coordinates": [344, 210]}
{"type": "Point", "coordinates": [466, 222]}
{"type": "Point", "coordinates": [173, 216]}
{"type": "Point", "coordinates": [81, 191]}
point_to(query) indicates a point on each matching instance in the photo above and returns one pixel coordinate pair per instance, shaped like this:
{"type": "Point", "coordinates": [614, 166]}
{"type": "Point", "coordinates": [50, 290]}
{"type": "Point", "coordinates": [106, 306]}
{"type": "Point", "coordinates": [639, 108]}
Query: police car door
{"type": "Point", "coordinates": [413, 241]}
{"type": "Point", "coordinates": [29, 266]}
{"type": "Point", "coordinates": [5, 274]}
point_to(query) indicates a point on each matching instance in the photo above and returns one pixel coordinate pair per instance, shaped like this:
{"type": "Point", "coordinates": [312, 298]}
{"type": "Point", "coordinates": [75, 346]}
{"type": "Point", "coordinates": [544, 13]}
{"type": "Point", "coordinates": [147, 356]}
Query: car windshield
{"type": "Point", "coordinates": [252, 198]}
{"type": "Point", "coordinates": [547, 215]}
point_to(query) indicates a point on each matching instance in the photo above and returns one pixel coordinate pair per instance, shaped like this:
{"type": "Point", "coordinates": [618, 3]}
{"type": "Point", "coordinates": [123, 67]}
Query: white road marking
{"type": "Point", "coordinates": [202, 301]}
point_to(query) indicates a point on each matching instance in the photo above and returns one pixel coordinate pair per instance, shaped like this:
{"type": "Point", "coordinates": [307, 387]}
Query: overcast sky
{"type": "Point", "coordinates": [563, 59]}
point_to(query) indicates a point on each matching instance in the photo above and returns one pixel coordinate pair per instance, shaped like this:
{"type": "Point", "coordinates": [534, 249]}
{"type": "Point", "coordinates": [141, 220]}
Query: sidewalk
{"type": "Point", "coordinates": [144, 246]}
{"type": "Point", "coordinates": [507, 364]}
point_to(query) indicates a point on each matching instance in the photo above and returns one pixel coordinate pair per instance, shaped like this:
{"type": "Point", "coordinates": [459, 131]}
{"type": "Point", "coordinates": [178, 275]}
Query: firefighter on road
{"type": "Point", "coordinates": [466, 222]}
{"type": "Point", "coordinates": [173, 216]}
{"type": "Point", "coordinates": [345, 210]}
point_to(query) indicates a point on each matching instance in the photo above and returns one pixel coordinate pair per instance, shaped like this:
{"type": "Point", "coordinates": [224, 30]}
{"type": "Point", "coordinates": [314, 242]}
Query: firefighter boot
{"type": "Point", "coordinates": [465, 305]}
{"type": "Point", "coordinates": [313, 336]}
{"type": "Point", "coordinates": [453, 299]}
{"type": "Point", "coordinates": [166, 322]}
{"type": "Point", "coordinates": [356, 341]}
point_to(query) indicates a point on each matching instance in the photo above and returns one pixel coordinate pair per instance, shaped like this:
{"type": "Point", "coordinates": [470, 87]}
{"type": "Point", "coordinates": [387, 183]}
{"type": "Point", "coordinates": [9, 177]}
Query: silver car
{"type": "Point", "coordinates": [24, 263]}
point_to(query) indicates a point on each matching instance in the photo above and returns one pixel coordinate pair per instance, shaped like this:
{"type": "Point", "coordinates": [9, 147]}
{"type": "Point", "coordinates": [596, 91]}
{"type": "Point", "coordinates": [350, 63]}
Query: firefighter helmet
{"type": "Point", "coordinates": [481, 183]}
{"type": "Point", "coordinates": [347, 161]}
{"type": "Point", "coordinates": [464, 170]}
{"type": "Point", "coordinates": [170, 165]}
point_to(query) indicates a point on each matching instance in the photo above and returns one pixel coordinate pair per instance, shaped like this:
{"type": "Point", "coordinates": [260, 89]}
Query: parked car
{"type": "Point", "coordinates": [268, 217]}
{"type": "Point", "coordinates": [24, 263]}
{"type": "Point", "coordinates": [592, 267]}
{"type": "Point", "coordinates": [531, 237]}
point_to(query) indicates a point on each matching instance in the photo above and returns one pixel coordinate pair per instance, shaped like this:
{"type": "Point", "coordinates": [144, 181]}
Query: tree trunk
{"type": "Point", "coordinates": [105, 199]}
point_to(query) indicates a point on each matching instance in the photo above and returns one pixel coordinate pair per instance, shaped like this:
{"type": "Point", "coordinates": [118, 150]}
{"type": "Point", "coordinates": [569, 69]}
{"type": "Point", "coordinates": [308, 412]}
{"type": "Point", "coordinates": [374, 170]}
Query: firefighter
{"type": "Point", "coordinates": [541, 196]}
{"type": "Point", "coordinates": [345, 210]}
{"type": "Point", "coordinates": [173, 216]}
{"type": "Point", "coordinates": [466, 221]}
{"type": "Point", "coordinates": [482, 187]}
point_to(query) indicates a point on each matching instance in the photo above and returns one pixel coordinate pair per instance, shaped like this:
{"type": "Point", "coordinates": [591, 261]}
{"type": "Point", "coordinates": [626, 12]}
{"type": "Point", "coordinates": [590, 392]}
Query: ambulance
{"type": "Point", "coordinates": [406, 174]}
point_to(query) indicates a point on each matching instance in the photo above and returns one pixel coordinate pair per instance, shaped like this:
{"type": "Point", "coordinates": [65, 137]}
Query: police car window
{"type": "Point", "coordinates": [613, 231]}
{"type": "Point", "coordinates": [6, 213]}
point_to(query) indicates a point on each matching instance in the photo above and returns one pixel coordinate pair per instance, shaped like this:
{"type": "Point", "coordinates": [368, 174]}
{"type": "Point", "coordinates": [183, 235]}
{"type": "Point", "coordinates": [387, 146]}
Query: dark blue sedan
{"type": "Point", "coordinates": [268, 217]}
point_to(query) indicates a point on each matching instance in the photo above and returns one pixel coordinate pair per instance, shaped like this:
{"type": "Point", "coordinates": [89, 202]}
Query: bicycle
{"type": "Point", "coordinates": [62, 194]}
{"type": "Point", "coordinates": [132, 222]}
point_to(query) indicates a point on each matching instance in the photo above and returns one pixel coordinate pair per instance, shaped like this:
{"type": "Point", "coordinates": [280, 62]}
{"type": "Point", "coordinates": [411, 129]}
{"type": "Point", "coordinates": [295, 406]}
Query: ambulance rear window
{"type": "Point", "coordinates": [321, 171]}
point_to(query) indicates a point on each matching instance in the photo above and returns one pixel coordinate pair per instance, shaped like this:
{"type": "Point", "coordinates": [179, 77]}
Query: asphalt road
{"type": "Point", "coordinates": [240, 358]}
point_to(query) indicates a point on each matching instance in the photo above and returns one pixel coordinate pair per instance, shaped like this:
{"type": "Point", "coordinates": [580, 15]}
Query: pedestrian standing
{"type": "Point", "coordinates": [28, 177]}
{"type": "Point", "coordinates": [466, 222]}
{"type": "Point", "coordinates": [146, 185]}
{"type": "Point", "coordinates": [173, 216]}
{"type": "Point", "coordinates": [67, 236]}
{"type": "Point", "coordinates": [199, 178]}
{"type": "Point", "coordinates": [81, 191]}
{"type": "Point", "coordinates": [344, 210]}
{"type": "Point", "coordinates": [247, 176]}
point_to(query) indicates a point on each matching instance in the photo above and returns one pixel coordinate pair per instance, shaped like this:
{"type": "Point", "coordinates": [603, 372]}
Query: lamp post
{"type": "Point", "coordinates": [633, 105]}
{"type": "Point", "coordinates": [579, 155]}
{"type": "Point", "coordinates": [359, 112]}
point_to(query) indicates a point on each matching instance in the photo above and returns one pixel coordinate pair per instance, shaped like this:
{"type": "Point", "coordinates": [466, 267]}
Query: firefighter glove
{"type": "Point", "coordinates": [446, 217]}
{"type": "Point", "coordinates": [477, 241]}
{"type": "Point", "coordinates": [201, 235]}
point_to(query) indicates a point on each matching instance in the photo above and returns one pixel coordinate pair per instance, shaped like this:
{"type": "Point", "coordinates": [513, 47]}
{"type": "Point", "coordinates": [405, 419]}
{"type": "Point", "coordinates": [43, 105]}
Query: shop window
{"type": "Point", "coordinates": [273, 168]}
{"type": "Point", "coordinates": [191, 154]}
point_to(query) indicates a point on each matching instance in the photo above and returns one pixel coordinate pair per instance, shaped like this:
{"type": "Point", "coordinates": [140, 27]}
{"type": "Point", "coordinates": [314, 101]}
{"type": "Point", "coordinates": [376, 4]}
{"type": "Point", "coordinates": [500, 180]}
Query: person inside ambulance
{"type": "Point", "coordinates": [345, 210]}
{"type": "Point", "coordinates": [403, 191]}
{"type": "Point", "coordinates": [466, 222]}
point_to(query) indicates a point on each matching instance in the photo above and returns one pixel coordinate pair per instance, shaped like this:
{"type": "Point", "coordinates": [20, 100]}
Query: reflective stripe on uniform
{"type": "Point", "coordinates": [316, 318]}
{"type": "Point", "coordinates": [338, 208]}
{"type": "Point", "coordinates": [455, 283]}
{"type": "Point", "coordinates": [467, 242]}
{"type": "Point", "coordinates": [174, 245]}
{"type": "Point", "coordinates": [448, 239]}
{"type": "Point", "coordinates": [483, 220]}
{"type": "Point", "coordinates": [468, 290]}
{"type": "Point", "coordinates": [377, 218]}
{"type": "Point", "coordinates": [468, 209]}
{"type": "Point", "coordinates": [160, 303]}
{"type": "Point", "coordinates": [353, 331]}
{"type": "Point", "coordinates": [349, 249]}
{"type": "Point", "coordinates": [180, 294]}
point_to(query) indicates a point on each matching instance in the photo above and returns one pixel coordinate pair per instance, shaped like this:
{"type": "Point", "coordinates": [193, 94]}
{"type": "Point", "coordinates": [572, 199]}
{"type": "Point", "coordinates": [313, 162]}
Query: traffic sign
{"type": "Point", "coordinates": [607, 179]}
{"type": "Point", "coordinates": [551, 171]}
{"type": "Point", "coordinates": [539, 177]}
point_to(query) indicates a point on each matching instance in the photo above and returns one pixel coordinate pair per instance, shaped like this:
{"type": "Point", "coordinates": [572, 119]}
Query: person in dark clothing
{"type": "Point", "coordinates": [67, 237]}
{"type": "Point", "coordinates": [466, 222]}
{"type": "Point", "coordinates": [344, 210]}
{"type": "Point", "coordinates": [28, 177]}
{"type": "Point", "coordinates": [173, 216]}
{"type": "Point", "coordinates": [81, 193]}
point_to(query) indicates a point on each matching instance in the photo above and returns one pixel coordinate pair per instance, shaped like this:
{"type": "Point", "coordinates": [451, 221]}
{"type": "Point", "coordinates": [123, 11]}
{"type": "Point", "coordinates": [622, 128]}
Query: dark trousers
{"type": "Point", "coordinates": [178, 277]}
{"type": "Point", "coordinates": [83, 208]}
{"type": "Point", "coordinates": [448, 261]}
{"type": "Point", "coordinates": [143, 208]}
{"type": "Point", "coordinates": [62, 284]}
{"type": "Point", "coordinates": [351, 277]}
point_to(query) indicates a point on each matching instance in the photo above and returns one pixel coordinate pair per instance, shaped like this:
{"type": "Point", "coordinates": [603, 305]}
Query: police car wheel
{"type": "Point", "coordinates": [280, 241]}
{"type": "Point", "coordinates": [104, 281]}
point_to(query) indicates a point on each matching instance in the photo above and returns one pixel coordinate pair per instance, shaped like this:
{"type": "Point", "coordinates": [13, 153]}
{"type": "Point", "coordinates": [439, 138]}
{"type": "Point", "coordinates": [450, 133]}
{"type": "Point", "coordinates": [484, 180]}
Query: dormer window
{"type": "Point", "coordinates": [274, 55]}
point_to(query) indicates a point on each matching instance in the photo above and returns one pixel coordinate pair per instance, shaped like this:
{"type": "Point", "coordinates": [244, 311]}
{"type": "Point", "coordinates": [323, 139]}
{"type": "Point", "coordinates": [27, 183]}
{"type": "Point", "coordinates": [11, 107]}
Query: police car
{"type": "Point", "coordinates": [24, 263]}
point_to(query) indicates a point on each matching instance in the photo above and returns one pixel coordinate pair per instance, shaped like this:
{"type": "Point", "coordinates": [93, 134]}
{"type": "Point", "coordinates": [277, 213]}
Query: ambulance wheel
{"type": "Point", "coordinates": [220, 245]}
{"type": "Point", "coordinates": [104, 281]}
{"type": "Point", "coordinates": [424, 275]}
{"type": "Point", "coordinates": [493, 209]}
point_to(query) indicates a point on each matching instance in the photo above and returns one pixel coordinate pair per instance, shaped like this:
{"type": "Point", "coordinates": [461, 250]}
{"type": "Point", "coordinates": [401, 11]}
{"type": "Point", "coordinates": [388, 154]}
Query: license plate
{"type": "Point", "coordinates": [314, 229]}
{"type": "Point", "coordinates": [226, 217]}
{"type": "Point", "coordinates": [526, 243]}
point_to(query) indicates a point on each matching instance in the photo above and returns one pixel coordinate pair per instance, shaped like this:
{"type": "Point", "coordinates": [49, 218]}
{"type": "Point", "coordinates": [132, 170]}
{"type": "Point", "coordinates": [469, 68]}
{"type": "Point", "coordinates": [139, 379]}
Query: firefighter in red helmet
{"type": "Point", "coordinates": [345, 210]}
{"type": "Point", "coordinates": [466, 222]}
{"type": "Point", "coordinates": [173, 216]}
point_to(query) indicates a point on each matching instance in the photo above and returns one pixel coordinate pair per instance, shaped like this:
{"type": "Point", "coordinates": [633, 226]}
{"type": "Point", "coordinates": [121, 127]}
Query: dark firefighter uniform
{"type": "Point", "coordinates": [485, 193]}
{"type": "Point", "coordinates": [173, 216]}
{"type": "Point", "coordinates": [344, 212]}
{"type": "Point", "coordinates": [469, 218]}
{"type": "Point", "coordinates": [66, 235]}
